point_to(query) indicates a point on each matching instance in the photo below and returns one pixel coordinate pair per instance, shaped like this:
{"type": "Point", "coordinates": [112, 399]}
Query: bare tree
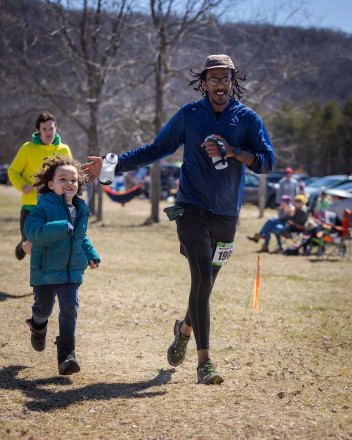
{"type": "Point", "coordinates": [172, 22]}
{"type": "Point", "coordinates": [275, 68]}
{"type": "Point", "coordinates": [80, 60]}
{"type": "Point", "coordinates": [72, 58]}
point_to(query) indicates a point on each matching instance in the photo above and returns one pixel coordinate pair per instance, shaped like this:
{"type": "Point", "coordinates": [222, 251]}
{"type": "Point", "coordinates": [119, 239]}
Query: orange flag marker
{"type": "Point", "coordinates": [256, 286]}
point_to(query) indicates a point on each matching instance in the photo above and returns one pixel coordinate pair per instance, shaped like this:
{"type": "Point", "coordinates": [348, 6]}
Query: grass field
{"type": "Point", "coordinates": [287, 368]}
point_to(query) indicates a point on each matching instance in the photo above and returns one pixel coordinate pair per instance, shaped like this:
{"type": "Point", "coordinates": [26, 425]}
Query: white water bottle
{"type": "Point", "coordinates": [219, 162]}
{"type": "Point", "coordinates": [107, 172]}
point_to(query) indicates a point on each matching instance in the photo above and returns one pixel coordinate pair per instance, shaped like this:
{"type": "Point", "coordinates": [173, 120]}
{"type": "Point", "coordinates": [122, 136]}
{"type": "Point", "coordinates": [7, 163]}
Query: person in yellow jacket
{"type": "Point", "coordinates": [30, 157]}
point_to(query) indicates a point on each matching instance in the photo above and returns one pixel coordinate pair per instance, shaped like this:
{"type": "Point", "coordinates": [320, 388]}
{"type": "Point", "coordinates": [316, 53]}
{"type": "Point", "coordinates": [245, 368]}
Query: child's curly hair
{"type": "Point", "coordinates": [48, 169]}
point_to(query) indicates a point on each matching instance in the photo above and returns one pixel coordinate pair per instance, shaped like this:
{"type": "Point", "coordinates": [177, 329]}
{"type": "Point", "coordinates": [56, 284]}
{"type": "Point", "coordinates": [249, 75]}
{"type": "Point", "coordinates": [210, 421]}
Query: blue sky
{"type": "Point", "coordinates": [334, 14]}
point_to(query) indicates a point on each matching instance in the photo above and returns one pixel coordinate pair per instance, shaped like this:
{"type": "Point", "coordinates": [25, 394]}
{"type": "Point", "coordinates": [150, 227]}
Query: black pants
{"type": "Point", "coordinates": [199, 231]}
{"type": "Point", "coordinates": [23, 217]}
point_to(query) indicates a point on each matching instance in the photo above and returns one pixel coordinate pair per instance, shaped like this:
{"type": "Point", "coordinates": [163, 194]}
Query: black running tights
{"type": "Point", "coordinates": [203, 275]}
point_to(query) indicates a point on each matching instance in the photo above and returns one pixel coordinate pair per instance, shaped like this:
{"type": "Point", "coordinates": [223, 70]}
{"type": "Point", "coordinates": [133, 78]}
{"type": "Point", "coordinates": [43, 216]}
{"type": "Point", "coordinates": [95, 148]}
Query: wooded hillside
{"type": "Point", "coordinates": [282, 64]}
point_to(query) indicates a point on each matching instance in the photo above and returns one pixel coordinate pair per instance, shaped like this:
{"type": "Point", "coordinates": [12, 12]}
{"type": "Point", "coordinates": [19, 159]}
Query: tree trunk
{"type": "Point", "coordinates": [155, 192]}
{"type": "Point", "coordinates": [155, 174]}
{"type": "Point", "coordinates": [96, 200]}
{"type": "Point", "coordinates": [262, 195]}
{"type": "Point", "coordinates": [100, 204]}
{"type": "Point", "coordinates": [91, 198]}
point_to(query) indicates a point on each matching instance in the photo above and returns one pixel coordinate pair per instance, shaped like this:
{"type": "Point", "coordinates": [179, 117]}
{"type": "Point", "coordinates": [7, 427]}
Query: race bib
{"type": "Point", "coordinates": [223, 253]}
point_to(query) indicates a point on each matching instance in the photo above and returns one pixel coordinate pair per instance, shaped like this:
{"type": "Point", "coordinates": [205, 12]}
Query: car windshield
{"type": "Point", "coordinates": [345, 186]}
{"type": "Point", "coordinates": [274, 178]}
{"type": "Point", "coordinates": [327, 181]}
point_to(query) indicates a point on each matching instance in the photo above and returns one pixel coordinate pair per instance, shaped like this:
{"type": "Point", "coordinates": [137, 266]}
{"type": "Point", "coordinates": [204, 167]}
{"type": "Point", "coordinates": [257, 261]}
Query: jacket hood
{"type": "Point", "coordinates": [36, 139]}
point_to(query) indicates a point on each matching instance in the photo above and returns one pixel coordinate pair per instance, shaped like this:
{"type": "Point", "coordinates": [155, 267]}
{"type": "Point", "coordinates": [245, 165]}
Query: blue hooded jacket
{"type": "Point", "coordinates": [57, 257]}
{"type": "Point", "coordinates": [216, 191]}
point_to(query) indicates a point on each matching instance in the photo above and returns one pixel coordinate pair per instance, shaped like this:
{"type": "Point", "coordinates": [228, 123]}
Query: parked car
{"type": "Point", "coordinates": [328, 182]}
{"type": "Point", "coordinates": [341, 192]}
{"type": "Point", "coordinates": [169, 175]}
{"type": "Point", "coordinates": [340, 206]}
{"type": "Point", "coordinates": [303, 178]}
{"type": "Point", "coordinates": [4, 178]}
{"type": "Point", "coordinates": [251, 190]}
{"type": "Point", "coordinates": [276, 176]}
{"type": "Point", "coordinates": [341, 199]}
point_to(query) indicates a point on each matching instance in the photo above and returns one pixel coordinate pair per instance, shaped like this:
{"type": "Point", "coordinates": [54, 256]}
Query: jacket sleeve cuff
{"type": "Point", "coordinates": [254, 165]}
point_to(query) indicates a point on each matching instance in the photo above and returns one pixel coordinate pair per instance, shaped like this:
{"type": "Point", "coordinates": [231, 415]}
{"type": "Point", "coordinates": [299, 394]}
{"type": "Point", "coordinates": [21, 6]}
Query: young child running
{"type": "Point", "coordinates": [56, 227]}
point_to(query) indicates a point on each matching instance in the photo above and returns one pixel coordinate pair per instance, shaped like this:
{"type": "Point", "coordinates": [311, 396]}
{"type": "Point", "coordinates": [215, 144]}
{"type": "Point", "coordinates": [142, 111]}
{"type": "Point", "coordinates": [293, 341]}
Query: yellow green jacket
{"type": "Point", "coordinates": [28, 161]}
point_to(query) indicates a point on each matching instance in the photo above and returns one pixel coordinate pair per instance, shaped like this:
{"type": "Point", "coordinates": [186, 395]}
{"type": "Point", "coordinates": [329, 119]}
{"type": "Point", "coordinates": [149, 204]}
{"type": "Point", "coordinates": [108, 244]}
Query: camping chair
{"type": "Point", "coordinates": [334, 240]}
{"type": "Point", "coordinates": [291, 240]}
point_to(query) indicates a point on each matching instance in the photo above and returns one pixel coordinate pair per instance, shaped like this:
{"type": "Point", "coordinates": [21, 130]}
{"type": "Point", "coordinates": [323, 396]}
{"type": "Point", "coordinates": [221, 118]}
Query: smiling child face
{"type": "Point", "coordinates": [65, 181]}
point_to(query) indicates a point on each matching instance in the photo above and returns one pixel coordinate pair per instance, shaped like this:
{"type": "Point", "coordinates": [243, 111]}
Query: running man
{"type": "Point", "coordinates": [209, 200]}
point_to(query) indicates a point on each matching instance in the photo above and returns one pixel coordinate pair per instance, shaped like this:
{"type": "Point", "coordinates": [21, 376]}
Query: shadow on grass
{"type": "Point", "coordinates": [4, 296]}
{"type": "Point", "coordinates": [47, 400]}
{"type": "Point", "coordinates": [324, 260]}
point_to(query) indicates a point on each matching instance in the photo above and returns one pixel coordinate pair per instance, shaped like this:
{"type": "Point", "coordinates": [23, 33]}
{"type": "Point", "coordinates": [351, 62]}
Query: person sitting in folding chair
{"type": "Point", "coordinates": [297, 221]}
{"type": "Point", "coordinates": [275, 225]}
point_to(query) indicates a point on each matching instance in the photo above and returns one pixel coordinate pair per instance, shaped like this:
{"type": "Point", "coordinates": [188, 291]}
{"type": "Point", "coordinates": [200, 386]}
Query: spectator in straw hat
{"type": "Point", "coordinates": [297, 221]}
{"type": "Point", "coordinates": [211, 184]}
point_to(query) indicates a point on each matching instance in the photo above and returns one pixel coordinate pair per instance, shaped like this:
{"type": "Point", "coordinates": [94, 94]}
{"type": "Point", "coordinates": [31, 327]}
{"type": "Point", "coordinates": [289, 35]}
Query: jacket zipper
{"type": "Point", "coordinates": [71, 239]}
{"type": "Point", "coordinates": [71, 244]}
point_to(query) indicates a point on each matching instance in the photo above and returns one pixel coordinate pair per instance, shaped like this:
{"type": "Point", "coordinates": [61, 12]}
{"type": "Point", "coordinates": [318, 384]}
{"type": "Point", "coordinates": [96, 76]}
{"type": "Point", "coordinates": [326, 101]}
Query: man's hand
{"type": "Point", "coordinates": [26, 189]}
{"type": "Point", "coordinates": [92, 169]}
{"type": "Point", "coordinates": [212, 149]}
{"type": "Point", "coordinates": [246, 157]}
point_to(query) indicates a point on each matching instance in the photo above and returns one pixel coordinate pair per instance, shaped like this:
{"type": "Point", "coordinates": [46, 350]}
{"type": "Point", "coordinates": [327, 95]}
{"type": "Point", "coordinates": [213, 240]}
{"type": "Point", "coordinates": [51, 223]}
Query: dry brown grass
{"type": "Point", "coordinates": [287, 369]}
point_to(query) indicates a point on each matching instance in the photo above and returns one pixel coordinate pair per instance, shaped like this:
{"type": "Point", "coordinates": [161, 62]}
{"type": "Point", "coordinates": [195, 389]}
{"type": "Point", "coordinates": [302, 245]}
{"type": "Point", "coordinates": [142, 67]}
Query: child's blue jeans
{"type": "Point", "coordinates": [44, 300]}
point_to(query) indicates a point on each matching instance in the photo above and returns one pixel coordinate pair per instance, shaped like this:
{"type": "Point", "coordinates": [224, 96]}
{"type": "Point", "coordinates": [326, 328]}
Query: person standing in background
{"type": "Point", "coordinates": [322, 207]}
{"type": "Point", "coordinates": [30, 157]}
{"type": "Point", "coordinates": [288, 186]}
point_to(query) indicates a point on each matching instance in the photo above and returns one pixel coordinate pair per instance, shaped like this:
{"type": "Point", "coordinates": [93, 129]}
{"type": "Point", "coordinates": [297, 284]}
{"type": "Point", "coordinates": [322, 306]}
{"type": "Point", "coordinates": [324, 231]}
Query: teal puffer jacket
{"type": "Point", "coordinates": [57, 257]}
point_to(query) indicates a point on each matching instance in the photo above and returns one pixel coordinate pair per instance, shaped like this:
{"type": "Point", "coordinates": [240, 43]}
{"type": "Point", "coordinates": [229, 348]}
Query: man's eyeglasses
{"type": "Point", "coordinates": [226, 81]}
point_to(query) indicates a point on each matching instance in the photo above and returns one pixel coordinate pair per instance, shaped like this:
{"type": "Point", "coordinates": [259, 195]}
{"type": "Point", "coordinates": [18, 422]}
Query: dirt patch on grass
{"type": "Point", "coordinates": [287, 368]}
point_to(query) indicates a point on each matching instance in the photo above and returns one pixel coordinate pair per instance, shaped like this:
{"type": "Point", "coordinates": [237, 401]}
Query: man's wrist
{"type": "Point", "coordinates": [237, 151]}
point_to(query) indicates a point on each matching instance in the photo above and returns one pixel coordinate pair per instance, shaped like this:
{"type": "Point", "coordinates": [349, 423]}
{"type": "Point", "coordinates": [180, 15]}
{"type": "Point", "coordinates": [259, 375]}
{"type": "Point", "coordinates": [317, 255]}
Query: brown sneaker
{"type": "Point", "coordinates": [255, 237]}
